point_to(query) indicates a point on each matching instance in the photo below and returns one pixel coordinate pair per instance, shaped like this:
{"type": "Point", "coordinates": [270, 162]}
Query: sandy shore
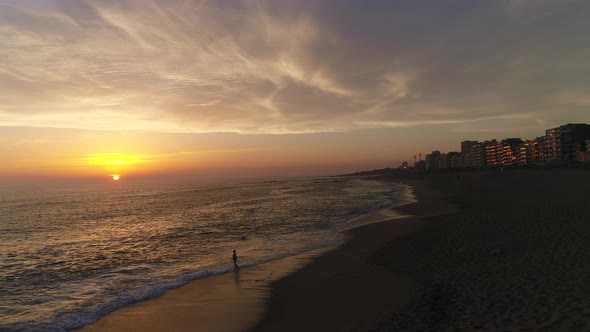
{"type": "Point", "coordinates": [343, 290]}
{"type": "Point", "coordinates": [227, 302]}
{"type": "Point", "coordinates": [340, 278]}
{"type": "Point", "coordinates": [515, 258]}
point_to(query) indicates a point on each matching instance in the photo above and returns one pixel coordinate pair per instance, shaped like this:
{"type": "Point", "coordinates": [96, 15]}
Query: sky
{"type": "Point", "coordinates": [230, 88]}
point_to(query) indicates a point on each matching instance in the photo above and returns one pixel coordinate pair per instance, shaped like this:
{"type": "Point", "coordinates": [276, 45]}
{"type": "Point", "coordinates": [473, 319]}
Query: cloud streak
{"type": "Point", "coordinates": [289, 67]}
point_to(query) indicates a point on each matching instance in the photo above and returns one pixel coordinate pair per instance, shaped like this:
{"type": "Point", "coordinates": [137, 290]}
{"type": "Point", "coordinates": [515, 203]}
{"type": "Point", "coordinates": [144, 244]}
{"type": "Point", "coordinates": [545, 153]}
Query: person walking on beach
{"type": "Point", "coordinates": [235, 259]}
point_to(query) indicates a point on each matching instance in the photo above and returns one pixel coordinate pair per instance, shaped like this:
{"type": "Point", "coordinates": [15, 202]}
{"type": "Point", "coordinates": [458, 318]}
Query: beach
{"type": "Point", "coordinates": [477, 251]}
{"type": "Point", "coordinates": [238, 301]}
{"type": "Point", "coordinates": [514, 257]}
{"type": "Point", "coordinates": [343, 290]}
{"type": "Point", "coordinates": [74, 255]}
{"type": "Point", "coordinates": [225, 302]}
{"type": "Point", "coordinates": [293, 165]}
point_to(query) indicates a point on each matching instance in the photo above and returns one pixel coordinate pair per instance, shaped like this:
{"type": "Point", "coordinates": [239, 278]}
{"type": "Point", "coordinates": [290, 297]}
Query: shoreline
{"type": "Point", "coordinates": [343, 290]}
{"type": "Point", "coordinates": [206, 304]}
{"type": "Point", "coordinates": [247, 304]}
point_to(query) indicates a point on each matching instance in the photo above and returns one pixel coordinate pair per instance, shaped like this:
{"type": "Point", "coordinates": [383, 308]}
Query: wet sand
{"type": "Point", "coordinates": [227, 302]}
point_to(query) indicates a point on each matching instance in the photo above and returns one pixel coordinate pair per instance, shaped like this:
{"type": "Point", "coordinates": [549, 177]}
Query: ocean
{"type": "Point", "coordinates": [69, 255]}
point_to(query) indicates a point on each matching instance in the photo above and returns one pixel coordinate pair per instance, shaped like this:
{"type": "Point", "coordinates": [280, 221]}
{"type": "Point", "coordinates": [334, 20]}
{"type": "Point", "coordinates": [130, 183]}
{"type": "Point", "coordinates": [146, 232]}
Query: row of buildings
{"type": "Point", "coordinates": [565, 144]}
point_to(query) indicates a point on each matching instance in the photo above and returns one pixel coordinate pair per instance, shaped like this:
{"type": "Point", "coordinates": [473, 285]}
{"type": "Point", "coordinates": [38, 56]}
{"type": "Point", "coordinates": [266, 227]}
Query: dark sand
{"type": "Point", "coordinates": [343, 290]}
{"type": "Point", "coordinates": [515, 258]}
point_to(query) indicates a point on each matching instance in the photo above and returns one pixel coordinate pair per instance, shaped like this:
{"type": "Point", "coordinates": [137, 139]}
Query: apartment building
{"type": "Point", "coordinates": [566, 143]}
{"type": "Point", "coordinates": [562, 144]}
{"type": "Point", "coordinates": [510, 151]}
{"type": "Point", "coordinates": [493, 154]}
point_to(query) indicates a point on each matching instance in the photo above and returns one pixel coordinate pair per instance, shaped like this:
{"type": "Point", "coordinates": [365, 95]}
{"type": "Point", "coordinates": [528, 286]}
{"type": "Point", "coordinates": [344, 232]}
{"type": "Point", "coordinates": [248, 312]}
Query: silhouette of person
{"type": "Point", "coordinates": [235, 259]}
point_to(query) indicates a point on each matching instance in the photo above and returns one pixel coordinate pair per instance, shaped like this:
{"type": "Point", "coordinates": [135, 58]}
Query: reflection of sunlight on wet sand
{"type": "Point", "coordinates": [232, 301]}
{"type": "Point", "coordinates": [237, 277]}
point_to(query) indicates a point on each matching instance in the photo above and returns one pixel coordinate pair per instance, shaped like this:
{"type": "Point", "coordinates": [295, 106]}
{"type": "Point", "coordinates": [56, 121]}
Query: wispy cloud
{"type": "Point", "coordinates": [288, 67]}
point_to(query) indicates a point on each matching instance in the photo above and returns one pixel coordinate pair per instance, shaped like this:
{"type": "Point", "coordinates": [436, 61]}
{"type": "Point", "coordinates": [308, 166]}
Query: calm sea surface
{"type": "Point", "coordinates": [70, 256]}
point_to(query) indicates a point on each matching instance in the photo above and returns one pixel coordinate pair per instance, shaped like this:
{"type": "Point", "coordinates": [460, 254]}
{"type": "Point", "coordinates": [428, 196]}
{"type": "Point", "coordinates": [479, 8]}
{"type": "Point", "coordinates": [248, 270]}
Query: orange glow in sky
{"type": "Point", "coordinates": [222, 91]}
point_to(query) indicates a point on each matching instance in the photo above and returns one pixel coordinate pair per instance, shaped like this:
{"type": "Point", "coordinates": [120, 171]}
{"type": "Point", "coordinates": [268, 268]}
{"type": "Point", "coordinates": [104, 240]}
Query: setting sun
{"type": "Point", "coordinates": [115, 177]}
